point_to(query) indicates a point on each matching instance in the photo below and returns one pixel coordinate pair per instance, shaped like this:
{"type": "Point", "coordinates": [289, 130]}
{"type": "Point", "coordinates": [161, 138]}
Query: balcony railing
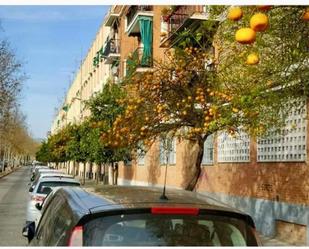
{"type": "Point", "coordinates": [136, 61]}
{"type": "Point", "coordinates": [111, 16]}
{"type": "Point", "coordinates": [179, 16]}
{"type": "Point", "coordinates": [111, 47]}
{"type": "Point", "coordinates": [134, 9]}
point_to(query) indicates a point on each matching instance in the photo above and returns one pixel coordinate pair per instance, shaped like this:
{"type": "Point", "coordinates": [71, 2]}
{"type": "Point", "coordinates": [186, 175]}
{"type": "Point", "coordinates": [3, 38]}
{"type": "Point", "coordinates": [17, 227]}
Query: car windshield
{"type": "Point", "coordinates": [163, 230]}
{"type": "Point", "coordinates": [54, 184]}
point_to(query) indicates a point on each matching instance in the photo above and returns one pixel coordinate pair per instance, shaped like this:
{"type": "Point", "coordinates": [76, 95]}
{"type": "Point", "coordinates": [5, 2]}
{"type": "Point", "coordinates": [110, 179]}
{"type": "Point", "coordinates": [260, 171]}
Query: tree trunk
{"type": "Point", "coordinates": [84, 173]}
{"type": "Point", "coordinates": [197, 167]}
{"type": "Point", "coordinates": [113, 172]}
{"type": "Point", "coordinates": [98, 173]}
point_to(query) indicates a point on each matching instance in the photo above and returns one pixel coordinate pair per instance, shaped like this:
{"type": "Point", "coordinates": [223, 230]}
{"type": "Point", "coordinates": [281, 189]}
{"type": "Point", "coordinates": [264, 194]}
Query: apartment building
{"type": "Point", "coordinates": [89, 79]}
{"type": "Point", "coordinates": [267, 178]}
{"type": "Point", "coordinates": [261, 177]}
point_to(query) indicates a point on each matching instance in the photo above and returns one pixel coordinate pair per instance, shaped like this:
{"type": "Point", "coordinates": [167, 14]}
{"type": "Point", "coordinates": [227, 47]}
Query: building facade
{"type": "Point", "coordinates": [265, 177]}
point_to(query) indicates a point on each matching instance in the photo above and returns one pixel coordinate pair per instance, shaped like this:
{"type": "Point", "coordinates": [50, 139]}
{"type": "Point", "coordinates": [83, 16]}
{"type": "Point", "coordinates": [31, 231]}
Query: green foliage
{"type": "Point", "coordinates": [104, 109]}
{"type": "Point", "coordinates": [82, 142]}
{"type": "Point", "coordinates": [43, 154]}
{"type": "Point", "coordinates": [104, 106]}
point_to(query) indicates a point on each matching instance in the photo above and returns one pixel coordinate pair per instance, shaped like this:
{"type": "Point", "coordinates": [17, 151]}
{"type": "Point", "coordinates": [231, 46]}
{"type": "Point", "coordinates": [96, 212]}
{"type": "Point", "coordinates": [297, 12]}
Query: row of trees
{"type": "Point", "coordinates": [195, 91]}
{"type": "Point", "coordinates": [82, 143]}
{"type": "Point", "coordinates": [16, 145]}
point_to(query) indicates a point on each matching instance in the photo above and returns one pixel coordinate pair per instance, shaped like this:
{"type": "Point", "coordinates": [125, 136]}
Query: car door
{"type": "Point", "coordinates": [44, 232]}
{"type": "Point", "coordinates": [62, 225]}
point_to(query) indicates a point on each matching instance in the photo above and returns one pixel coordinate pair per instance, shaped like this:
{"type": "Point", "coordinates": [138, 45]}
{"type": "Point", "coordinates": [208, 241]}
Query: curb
{"type": "Point", "coordinates": [7, 173]}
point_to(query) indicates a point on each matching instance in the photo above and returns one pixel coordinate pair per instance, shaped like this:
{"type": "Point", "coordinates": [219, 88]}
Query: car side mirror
{"type": "Point", "coordinates": [38, 206]}
{"type": "Point", "coordinates": [29, 230]}
{"type": "Point", "coordinates": [31, 189]}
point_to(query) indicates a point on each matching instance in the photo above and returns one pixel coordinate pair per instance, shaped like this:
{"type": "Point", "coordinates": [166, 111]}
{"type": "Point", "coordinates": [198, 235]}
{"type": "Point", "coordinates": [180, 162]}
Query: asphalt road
{"type": "Point", "coordinates": [13, 201]}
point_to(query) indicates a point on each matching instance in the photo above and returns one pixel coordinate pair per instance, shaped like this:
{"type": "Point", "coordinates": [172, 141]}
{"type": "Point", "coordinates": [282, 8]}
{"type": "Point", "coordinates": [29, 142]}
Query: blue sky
{"type": "Point", "coordinates": [50, 41]}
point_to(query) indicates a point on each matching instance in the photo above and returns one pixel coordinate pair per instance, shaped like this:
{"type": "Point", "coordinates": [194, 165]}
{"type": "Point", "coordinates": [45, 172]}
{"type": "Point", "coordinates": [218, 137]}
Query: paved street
{"type": "Point", "coordinates": [13, 197]}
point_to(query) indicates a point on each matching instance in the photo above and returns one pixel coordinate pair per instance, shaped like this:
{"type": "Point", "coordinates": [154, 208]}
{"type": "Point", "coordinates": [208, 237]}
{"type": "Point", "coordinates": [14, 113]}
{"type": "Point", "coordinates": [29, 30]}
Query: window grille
{"type": "Point", "coordinates": [233, 149]}
{"type": "Point", "coordinates": [208, 157]}
{"type": "Point", "coordinates": [171, 151]}
{"type": "Point", "coordinates": [288, 144]}
{"type": "Point", "coordinates": [141, 155]}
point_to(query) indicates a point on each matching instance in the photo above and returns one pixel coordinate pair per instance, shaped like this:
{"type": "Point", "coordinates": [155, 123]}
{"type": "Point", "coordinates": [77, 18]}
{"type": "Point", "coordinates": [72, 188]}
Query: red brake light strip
{"type": "Point", "coordinates": [168, 210]}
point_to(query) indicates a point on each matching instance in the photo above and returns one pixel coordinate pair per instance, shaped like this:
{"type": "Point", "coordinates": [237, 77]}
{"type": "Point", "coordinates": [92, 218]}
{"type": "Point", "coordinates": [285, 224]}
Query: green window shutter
{"type": "Point", "coordinates": [146, 37]}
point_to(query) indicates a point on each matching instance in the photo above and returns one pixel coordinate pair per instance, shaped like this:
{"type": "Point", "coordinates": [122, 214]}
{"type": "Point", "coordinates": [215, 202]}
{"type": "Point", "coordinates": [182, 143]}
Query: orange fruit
{"type": "Point", "coordinates": [306, 15]}
{"type": "Point", "coordinates": [235, 13]}
{"type": "Point", "coordinates": [264, 7]}
{"type": "Point", "coordinates": [253, 59]}
{"type": "Point", "coordinates": [235, 110]}
{"type": "Point", "coordinates": [259, 22]}
{"type": "Point", "coordinates": [245, 35]}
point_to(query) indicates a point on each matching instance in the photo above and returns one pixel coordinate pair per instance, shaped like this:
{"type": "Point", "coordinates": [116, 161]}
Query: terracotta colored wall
{"type": "Point", "coordinates": [288, 182]}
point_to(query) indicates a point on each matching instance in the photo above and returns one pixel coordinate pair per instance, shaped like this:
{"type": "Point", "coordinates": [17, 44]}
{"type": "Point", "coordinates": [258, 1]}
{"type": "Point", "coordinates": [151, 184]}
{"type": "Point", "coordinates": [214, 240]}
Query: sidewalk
{"type": "Point", "coordinates": [267, 241]}
{"type": "Point", "coordinates": [7, 172]}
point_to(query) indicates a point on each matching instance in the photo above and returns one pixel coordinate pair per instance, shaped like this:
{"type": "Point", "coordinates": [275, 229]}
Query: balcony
{"type": "Point", "coordinates": [183, 17]}
{"type": "Point", "coordinates": [138, 63]}
{"type": "Point", "coordinates": [111, 50]}
{"type": "Point", "coordinates": [111, 17]}
{"type": "Point", "coordinates": [135, 13]}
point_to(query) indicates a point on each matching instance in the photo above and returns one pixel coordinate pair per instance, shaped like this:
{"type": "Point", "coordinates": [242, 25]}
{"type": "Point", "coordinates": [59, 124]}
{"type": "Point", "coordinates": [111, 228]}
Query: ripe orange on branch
{"type": "Point", "coordinates": [245, 35]}
{"type": "Point", "coordinates": [253, 59]}
{"type": "Point", "coordinates": [259, 22]}
{"type": "Point", "coordinates": [306, 15]}
{"type": "Point", "coordinates": [235, 13]}
{"type": "Point", "coordinates": [264, 7]}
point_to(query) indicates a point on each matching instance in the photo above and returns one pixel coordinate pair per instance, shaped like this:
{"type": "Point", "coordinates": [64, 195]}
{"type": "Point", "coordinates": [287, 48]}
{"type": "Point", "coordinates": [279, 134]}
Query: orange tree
{"type": "Point", "coordinates": [55, 148]}
{"type": "Point", "coordinates": [186, 97]}
{"type": "Point", "coordinates": [104, 109]}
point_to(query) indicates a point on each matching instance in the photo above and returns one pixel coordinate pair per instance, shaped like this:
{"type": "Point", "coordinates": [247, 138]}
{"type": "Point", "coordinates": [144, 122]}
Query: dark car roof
{"type": "Point", "coordinates": [110, 198]}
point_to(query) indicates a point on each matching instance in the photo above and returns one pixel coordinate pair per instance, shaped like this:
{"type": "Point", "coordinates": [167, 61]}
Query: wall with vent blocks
{"type": "Point", "coordinates": [267, 177]}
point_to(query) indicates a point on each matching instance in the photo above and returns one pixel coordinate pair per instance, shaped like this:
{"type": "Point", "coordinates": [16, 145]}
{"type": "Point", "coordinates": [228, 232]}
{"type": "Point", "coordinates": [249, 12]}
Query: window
{"type": "Point", "coordinates": [167, 230]}
{"type": "Point", "coordinates": [233, 149]}
{"type": "Point", "coordinates": [44, 232]}
{"type": "Point", "coordinates": [54, 184]}
{"type": "Point", "coordinates": [289, 144]}
{"type": "Point", "coordinates": [167, 151]}
{"type": "Point", "coordinates": [208, 157]}
{"type": "Point", "coordinates": [141, 154]}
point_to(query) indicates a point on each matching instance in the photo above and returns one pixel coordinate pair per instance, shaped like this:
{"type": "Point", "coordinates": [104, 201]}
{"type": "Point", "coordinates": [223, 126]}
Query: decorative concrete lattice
{"type": "Point", "coordinates": [288, 144]}
{"type": "Point", "coordinates": [233, 149]}
{"type": "Point", "coordinates": [208, 157]}
{"type": "Point", "coordinates": [141, 154]}
{"type": "Point", "coordinates": [141, 159]}
{"type": "Point", "coordinates": [171, 152]}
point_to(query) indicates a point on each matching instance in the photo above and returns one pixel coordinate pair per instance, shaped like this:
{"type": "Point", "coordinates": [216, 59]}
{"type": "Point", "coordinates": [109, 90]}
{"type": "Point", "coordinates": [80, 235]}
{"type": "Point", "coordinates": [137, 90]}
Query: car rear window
{"type": "Point", "coordinates": [167, 230]}
{"type": "Point", "coordinates": [54, 184]}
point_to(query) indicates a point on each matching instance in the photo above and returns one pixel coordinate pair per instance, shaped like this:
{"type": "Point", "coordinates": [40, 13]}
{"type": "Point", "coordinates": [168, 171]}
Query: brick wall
{"type": "Point", "coordinates": [287, 182]}
{"type": "Point", "coordinates": [284, 181]}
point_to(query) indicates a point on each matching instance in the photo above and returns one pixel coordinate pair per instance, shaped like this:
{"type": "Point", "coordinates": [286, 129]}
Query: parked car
{"type": "Point", "coordinates": [41, 206]}
{"type": "Point", "coordinates": [38, 167]}
{"type": "Point", "coordinates": [41, 190]}
{"type": "Point", "coordinates": [39, 170]}
{"type": "Point", "coordinates": [136, 216]}
{"type": "Point", "coordinates": [48, 174]}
